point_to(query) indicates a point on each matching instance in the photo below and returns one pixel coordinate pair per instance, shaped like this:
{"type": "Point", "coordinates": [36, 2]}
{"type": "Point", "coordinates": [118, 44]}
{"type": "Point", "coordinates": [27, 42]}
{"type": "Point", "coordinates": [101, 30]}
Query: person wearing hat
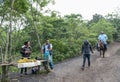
{"type": "Point", "coordinates": [103, 37]}
{"type": "Point", "coordinates": [86, 49]}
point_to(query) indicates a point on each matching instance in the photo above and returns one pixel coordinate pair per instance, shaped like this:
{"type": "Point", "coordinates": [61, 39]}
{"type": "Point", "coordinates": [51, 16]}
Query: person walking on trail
{"type": "Point", "coordinates": [25, 51]}
{"type": "Point", "coordinates": [86, 49]}
{"type": "Point", "coordinates": [47, 51]}
{"type": "Point", "coordinates": [103, 37]}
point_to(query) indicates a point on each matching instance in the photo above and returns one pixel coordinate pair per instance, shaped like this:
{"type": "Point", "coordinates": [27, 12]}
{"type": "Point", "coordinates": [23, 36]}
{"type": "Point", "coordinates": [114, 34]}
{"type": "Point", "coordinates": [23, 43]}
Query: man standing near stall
{"type": "Point", "coordinates": [47, 51]}
{"type": "Point", "coordinates": [25, 51]}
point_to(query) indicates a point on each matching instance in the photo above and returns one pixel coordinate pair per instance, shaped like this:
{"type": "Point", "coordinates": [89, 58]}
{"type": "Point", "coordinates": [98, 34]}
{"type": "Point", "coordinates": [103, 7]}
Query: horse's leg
{"type": "Point", "coordinates": [100, 53]}
{"type": "Point", "coordinates": [103, 53]}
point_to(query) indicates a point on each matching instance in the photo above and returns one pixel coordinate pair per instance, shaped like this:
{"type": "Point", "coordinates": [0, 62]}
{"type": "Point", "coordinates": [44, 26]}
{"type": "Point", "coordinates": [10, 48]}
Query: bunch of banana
{"type": "Point", "coordinates": [24, 60]}
{"type": "Point", "coordinates": [21, 61]}
{"type": "Point", "coordinates": [32, 60]}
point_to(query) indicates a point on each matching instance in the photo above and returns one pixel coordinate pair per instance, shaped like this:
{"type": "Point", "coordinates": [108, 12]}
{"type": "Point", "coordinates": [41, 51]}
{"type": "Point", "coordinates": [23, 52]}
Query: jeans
{"type": "Point", "coordinates": [47, 56]}
{"type": "Point", "coordinates": [105, 45]}
{"type": "Point", "coordinates": [51, 62]}
{"type": "Point", "coordinates": [86, 56]}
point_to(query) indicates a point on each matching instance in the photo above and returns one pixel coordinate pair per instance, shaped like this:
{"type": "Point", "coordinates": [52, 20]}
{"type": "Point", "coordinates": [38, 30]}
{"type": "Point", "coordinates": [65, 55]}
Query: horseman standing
{"type": "Point", "coordinates": [103, 37]}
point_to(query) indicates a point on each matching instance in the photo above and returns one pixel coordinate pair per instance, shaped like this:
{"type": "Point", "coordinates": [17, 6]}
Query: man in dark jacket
{"type": "Point", "coordinates": [86, 49]}
{"type": "Point", "coordinates": [25, 51]}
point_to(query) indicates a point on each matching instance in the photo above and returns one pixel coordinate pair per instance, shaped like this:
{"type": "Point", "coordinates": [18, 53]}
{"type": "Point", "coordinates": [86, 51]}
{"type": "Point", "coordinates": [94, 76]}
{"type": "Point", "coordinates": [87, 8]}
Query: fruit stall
{"type": "Point", "coordinates": [25, 62]}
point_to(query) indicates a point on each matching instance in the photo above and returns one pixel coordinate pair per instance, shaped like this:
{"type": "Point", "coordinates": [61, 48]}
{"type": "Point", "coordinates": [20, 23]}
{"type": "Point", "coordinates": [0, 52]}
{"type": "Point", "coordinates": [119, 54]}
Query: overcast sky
{"type": "Point", "coordinates": [86, 8]}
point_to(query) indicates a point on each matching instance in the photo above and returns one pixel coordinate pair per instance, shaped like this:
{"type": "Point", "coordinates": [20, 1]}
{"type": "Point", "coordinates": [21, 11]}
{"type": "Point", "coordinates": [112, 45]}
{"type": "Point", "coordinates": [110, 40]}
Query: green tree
{"type": "Point", "coordinates": [95, 19]}
{"type": "Point", "coordinates": [104, 25]}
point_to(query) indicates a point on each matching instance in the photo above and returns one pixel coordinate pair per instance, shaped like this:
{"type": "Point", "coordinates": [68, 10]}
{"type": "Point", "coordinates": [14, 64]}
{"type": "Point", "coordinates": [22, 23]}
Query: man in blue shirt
{"type": "Point", "coordinates": [47, 51]}
{"type": "Point", "coordinates": [103, 37]}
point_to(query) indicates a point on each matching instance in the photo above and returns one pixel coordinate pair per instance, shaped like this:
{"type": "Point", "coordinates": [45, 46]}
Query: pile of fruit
{"type": "Point", "coordinates": [24, 60]}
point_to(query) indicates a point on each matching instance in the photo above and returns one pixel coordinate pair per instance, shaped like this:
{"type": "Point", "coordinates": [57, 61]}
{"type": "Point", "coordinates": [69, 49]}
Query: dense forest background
{"type": "Point", "coordinates": [22, 20]}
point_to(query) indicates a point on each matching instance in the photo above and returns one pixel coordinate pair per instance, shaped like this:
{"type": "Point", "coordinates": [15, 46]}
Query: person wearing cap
{"type": "Point", "coordinates": [103, 37]}
{"type": "Point", "coordinates": [86, 49]}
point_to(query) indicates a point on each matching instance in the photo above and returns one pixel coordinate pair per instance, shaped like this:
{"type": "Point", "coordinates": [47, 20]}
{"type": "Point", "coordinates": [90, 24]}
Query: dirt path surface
{"type": "Point", "coordinates": [102, 69]}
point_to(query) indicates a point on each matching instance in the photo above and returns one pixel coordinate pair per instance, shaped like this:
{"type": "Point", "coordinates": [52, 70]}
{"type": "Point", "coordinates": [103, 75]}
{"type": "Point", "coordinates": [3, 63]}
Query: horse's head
{"type": "Point", "coordinates": [101, 47]}
{"type": "Point", "coordinates": [101, 44]}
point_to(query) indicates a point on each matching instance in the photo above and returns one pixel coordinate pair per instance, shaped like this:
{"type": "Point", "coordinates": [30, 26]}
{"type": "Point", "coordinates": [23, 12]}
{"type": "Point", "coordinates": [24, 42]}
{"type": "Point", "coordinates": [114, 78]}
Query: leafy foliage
{"type": "Point", "coordinates": [65, 33]}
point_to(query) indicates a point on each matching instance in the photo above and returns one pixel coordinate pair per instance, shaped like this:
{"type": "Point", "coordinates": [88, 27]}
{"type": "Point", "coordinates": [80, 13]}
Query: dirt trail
{"type": "Point", "coordinates": [102, 69]}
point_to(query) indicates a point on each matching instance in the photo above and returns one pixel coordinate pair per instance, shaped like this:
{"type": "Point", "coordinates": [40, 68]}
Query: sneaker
{"type": "Point", "coordinates": [25, 73]}
{"type": "Point", "coordinates": [51, 70]}
{"type": "Point", "coordinates": [82, 68]}
{"type": "Point", "coordinates": [21, 75]}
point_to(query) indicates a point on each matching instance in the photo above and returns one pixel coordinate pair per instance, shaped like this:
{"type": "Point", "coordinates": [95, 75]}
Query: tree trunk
{"type": "Point", "coordinates": [8, 49]}
{"type": "Point", "coordinates": [5, 77]}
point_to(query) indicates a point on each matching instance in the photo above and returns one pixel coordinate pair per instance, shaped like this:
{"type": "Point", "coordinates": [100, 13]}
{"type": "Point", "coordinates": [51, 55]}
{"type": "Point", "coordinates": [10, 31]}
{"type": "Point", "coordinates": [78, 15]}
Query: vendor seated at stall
{"type": "Point", "coordinates": [36, 69]}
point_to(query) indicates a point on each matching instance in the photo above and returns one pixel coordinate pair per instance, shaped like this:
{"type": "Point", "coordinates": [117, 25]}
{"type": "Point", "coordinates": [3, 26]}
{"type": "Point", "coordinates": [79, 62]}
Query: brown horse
{"type": "Point", "coordinates": [101, 48]}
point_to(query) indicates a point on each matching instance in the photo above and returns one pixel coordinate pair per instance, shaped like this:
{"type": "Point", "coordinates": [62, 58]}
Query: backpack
{"type": "Point", "coordinates": [86, 49]}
